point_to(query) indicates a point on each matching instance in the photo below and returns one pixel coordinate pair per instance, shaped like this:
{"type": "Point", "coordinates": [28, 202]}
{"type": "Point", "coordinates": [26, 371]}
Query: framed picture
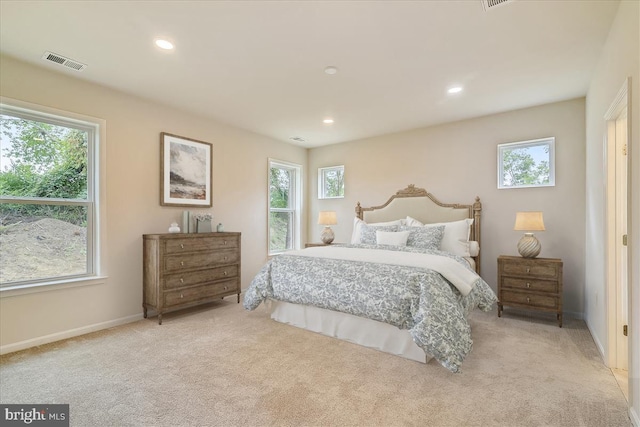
{"type": "Point", "coordinates": [186, 168]}
{"type": "Point", "coordinates": [527, 164]}
{"type": "Point", "coordinates": [331, 182]}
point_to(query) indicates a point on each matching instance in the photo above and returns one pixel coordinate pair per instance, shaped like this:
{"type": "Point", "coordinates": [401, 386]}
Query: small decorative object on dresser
{"type": "Point", "coordinates": [327, 218]}
{"type": "Point", "coordinates": [183, 270]}
{"type": "Point", "coordinates": [174, 228]}
{"type": "Point", "coordinates": [531, 284]}
{"type": "Point", "coordinates": [203, 222]}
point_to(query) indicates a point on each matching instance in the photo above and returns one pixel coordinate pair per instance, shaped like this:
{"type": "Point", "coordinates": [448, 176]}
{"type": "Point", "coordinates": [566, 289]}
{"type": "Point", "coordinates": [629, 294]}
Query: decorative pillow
{"type": "Point", "coordinates": [368, 233]}
{"type": "Point", "coordinates": [358, 223]}
{"type": "Point", "coordinates": [424, 237]}
{"type": "Point", "coordinates": [398, 238]}
{"type": "Point", "coordinates": [454, 233]}
{"type": "Point", "coordinates": [412, 222]}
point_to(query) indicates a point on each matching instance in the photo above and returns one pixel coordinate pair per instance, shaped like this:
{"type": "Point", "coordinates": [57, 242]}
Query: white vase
{"type": "Point", "coordinates": [174, 228]}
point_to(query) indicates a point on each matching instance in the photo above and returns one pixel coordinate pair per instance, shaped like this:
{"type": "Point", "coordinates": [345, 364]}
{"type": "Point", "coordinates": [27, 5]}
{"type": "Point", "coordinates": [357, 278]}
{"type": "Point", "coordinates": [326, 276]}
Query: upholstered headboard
{"type": "Point", "coordinates": [423, 206]}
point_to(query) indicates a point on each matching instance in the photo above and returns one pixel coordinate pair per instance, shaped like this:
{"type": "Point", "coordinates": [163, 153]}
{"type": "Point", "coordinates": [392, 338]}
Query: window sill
{"type": "Point", "coordinates": [25, 289]}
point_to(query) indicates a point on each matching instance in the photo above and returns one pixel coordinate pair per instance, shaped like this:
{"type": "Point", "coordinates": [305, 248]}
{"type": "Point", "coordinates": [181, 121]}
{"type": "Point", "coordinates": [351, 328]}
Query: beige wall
{"type": "Point", "coordinates": [619, 60]}
{"type": "Point", "coordinates": [457, 162]}
{"type": "Point", "coordinates": [133, 145]}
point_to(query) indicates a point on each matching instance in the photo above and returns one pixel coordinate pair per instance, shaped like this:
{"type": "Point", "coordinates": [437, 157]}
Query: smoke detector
{"type": "Point", "coordinates": [64, 61]}
{"type": "Point", "coordinates": [489, 4]}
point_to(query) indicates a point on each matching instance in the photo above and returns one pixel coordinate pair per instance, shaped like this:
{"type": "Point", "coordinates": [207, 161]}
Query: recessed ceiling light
{"type": "Point", "coordinates": [164, 44]}
{"type": "Point", "coordinates": [455, 89]}
{"type": "Point", "coordinates": [327, 121]}
{"type": "Point", "coordinates": [331, 69]}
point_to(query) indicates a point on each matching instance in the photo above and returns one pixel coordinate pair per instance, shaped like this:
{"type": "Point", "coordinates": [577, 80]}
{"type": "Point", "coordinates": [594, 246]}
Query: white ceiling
{"type": "Point", "coordinates": [258, 65]}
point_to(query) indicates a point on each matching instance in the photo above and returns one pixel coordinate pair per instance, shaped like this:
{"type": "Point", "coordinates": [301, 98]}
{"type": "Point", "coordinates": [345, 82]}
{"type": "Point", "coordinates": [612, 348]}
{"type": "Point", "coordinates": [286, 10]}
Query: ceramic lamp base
{"type": "Point", "coordinates": [327, 235]}
{"type": "Point", "coordinates": [529, 246]}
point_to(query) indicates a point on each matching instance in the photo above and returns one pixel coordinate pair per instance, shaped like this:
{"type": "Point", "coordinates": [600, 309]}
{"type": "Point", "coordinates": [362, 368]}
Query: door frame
{"type": "Point", "coordinates": [619, 105]}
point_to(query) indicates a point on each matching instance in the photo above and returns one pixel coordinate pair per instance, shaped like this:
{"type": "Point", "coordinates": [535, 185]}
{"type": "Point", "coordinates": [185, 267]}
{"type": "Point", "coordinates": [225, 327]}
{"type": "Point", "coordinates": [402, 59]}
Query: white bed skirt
{"type": "Point", "coordinates": [347, 327]}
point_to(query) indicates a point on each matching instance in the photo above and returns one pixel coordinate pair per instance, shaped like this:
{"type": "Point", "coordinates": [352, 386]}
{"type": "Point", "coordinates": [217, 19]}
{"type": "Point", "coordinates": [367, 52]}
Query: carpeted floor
{"type": "Point", "coordinates": [222, 366]}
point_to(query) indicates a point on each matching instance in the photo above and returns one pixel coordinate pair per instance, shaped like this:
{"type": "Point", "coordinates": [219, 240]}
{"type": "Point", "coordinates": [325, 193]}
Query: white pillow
{"type": "Point", "coordinates": [470, 248]}
{"type": "Point", "coordinates": [394, 238]}
{"type": "Point", "coordinates": [454, 233]}
{"type": "Point", "coordinates": [358, 223]}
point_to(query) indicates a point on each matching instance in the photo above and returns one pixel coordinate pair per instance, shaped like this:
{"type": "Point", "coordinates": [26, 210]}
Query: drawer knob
{"type": "Point", "coordinates": [225, 258]}
{"type": "Point", "coordinates": [528, 269]}
{"type": "Point", "coordinates": [528, 300]}
{"type": "Point", "coordinates": [528, 285]}
{"type": "Point", "coordinates": [225, 242]}
{"type": "Point", "coordinates": [182, 296]}
{"type": "Point", "coordinates": [181, 280]}
{"type": "Point", "coordinates": [181, 245]}
{"type": "Point", "coordinates": [225, 288]}
{"type": "Point", "coordinates": [225, 273]}
{"type": "Point", "coordinates": [181, 262]}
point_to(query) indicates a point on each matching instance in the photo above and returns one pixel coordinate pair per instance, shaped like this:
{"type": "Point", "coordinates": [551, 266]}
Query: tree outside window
{"type": "Point", "coordinates": [526, 164]}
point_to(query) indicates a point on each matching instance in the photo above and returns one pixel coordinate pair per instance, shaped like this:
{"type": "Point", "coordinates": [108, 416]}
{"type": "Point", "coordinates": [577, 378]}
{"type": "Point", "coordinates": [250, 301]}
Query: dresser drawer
{"type": "Point", "coordinates": [199, 293]}
{"type": "Point", "coordinates": [179, 280]}
{"type": "Point", "coordinates": [180, 246]}
{"type": "Point", "coordinates": [549, 286]}
{"type": "Point", "coordinates": [523, 268]}
{"type": "Point", "coordinates": [524, 298]}
{"type": "Point", "coordinates": [200, 260]}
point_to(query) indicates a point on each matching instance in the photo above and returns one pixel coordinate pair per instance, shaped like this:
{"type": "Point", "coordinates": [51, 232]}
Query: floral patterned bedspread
{"type": "Point", "coordinates": [413, 298]}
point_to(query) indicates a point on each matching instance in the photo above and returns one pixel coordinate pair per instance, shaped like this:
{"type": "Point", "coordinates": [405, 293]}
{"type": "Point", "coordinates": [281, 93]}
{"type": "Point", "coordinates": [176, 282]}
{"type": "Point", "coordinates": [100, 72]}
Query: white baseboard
{"type": "Point", "coordinates": [22, 345]}
{"type": "Point", "coordinates": [597, 341]}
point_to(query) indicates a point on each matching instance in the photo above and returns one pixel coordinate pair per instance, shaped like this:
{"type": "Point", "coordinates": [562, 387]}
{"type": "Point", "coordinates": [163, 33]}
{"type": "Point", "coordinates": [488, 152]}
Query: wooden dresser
{"type": "Point", "coordinates": [183, 270]}
{"type": "Point", "coordinates": [531, 284]}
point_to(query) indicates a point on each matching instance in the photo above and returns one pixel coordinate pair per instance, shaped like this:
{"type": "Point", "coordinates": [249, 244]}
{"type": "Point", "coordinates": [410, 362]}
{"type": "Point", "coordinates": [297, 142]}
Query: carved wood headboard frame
{"type": "Point", "coordinates": [423, 206]}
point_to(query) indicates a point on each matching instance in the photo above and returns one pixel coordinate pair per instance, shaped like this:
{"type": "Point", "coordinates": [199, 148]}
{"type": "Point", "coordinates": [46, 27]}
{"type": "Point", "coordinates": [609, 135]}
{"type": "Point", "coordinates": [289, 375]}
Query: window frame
{"type": "Point", "coordinates": [295, 194]}
{"type": "Point", "coordinates": [322, 181]}
{"type": "Point", "coordinates": [502, 148]}
{"type": "Point", "coordinates": [94, 203]}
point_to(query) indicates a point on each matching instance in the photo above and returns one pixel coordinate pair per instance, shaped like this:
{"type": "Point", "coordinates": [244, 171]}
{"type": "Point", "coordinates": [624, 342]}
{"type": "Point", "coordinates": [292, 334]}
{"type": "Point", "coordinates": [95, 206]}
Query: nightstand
{"type": "Point", "coordinates": [531, 284]}
{"type": "Point", "coordinates": [311, 245]}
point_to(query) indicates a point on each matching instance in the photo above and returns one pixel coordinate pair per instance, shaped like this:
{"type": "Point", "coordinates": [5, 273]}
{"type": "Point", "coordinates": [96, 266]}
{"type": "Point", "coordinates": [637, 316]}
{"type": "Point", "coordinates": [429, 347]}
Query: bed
{"type": "Point", "coordinates": [405, 284]}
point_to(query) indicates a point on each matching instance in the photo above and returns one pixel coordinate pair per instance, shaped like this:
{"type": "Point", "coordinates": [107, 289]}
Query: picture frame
{"type": "Point", "coordinates": [527, 164]}
{"type": "Point", "coordinates": [186, 170]}
{"type": "Point", "coordinates": [331, 182]}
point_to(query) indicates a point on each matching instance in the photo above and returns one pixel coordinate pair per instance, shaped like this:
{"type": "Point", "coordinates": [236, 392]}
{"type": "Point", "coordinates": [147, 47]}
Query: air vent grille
{"type": "Point", "coordinates": [64, 61]}
{"type": "Point", "coordinates": [297, 139]}
{"type": "Point", "coordinates": [488, 4]}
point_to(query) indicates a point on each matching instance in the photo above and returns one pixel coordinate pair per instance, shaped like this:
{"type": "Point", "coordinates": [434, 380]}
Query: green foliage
{"type": "Point", "coordinates": [334, 183]}
{"type": "Point", "coordinates": [279, 198]}
{"type": "Point", "coordinates": [45, 161]}
{"type": "Point", "coordinates": [519, 168]}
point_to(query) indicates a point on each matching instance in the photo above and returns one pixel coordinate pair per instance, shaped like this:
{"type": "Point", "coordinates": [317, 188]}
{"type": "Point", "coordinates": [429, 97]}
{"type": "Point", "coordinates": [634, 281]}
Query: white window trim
{"type": "Point", "coordinates": [98, 178]}
{"type": "Point", "coordinates": [297, 203]}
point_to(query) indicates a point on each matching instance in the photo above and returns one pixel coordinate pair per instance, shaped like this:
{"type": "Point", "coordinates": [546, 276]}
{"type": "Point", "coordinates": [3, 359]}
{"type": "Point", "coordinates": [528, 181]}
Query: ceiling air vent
{"type": "Point", "coordinates": [297, 139]}
{"type": "Point", "coordinates": [64, 61]}
{"type": "Point", "coordinates": [488, 4]}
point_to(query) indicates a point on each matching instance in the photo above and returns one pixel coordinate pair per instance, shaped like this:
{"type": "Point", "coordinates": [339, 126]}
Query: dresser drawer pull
{"type": "Point", "coordinates": [528, 300]}
{"type": "Point", "coordinates": [181, 245]}
{"type": "Point", "coordinates": [225, 272]}
{"type": "Point", "coordinates": [528, 270]}
{"type": "Point", "coordinates": [182, 296]}
{"type": "Point", "coordinates": [528, 285]}
{"type": "Point", "coordinates": [225, 288]}
{"type": "Point", "coordinates": [226, 258]}
{"type": "Point", "coordinates": [181, 280]}
{"type": "Point", "coordinates": [225, 242]}
{"type": "Point", "coordinates": [181, 262]}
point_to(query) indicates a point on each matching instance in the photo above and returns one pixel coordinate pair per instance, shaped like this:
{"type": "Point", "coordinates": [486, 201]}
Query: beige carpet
{"type": "Point", "coordinates": [222, 366]}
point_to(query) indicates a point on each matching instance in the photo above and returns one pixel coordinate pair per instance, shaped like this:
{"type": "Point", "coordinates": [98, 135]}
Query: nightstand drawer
{"type": "Point", "coordinates": [524, 268]}
{"type": "Point", "coordinates": [524, 298]}
{"type": "Point", "coordinates": [548, 286]}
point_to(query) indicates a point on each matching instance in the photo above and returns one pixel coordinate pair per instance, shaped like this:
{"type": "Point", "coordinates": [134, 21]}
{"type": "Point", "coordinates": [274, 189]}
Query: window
{"type": "Point", "coordinates": [527, 164]}
{"type": "Point", "coordinates": [284, 206]}
{"type": "Point", "coordinates": [331, 182]}
{"type": "Point", "coordinates": [48, 197]}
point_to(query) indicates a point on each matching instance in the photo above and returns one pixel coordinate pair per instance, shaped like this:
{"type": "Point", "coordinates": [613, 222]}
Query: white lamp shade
{"type": "Point", "coordinates": [529, 221]}
{"type": "Point", "coordinates": [327, 218]}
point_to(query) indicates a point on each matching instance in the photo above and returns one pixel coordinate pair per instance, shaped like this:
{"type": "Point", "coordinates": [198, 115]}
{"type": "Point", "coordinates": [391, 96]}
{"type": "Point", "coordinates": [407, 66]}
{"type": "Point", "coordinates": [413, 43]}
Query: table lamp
{"type": "Point", "coordinates": [327, 218]}
{"type": "Point", "coordinates": [529, 246]}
